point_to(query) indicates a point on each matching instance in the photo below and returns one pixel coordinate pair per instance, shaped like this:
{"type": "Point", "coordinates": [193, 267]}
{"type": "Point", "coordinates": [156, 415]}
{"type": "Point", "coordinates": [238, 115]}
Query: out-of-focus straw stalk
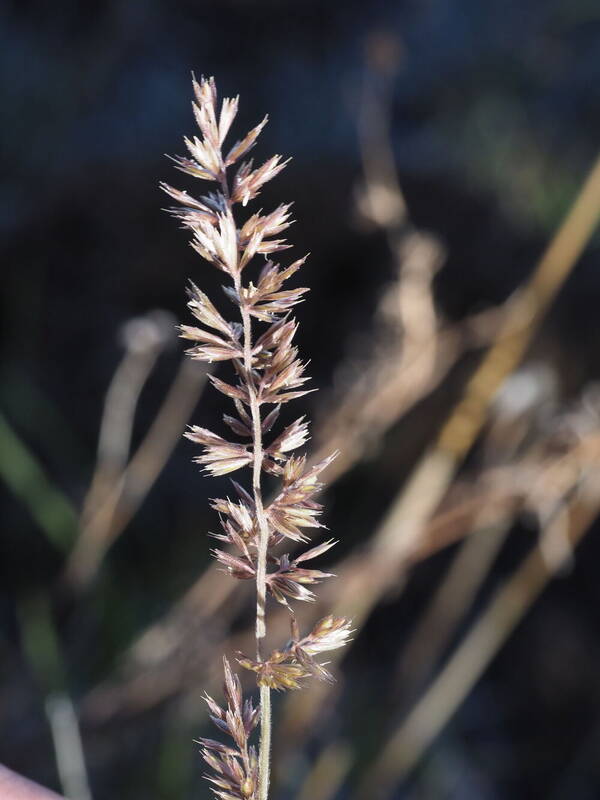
{"type": "Point", "coordinates": [492, 627]}
{"type": "Point", "coordinates": [120, 482]}
{"type": "Point", "coordinates": [399, 535]}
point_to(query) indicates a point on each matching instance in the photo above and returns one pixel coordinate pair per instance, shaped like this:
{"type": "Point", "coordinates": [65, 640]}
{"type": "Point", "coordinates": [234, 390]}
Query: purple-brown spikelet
{"type": "Point", "coordinates": [267, 373]}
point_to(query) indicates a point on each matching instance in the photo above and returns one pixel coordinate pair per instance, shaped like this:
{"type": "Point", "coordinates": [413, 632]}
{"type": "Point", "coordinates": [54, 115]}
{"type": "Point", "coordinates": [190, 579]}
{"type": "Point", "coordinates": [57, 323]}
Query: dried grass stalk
{"type": "Point", "coordinates": [268, 373]}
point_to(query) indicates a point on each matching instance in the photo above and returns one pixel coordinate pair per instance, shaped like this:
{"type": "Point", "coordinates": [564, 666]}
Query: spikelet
{"type": "Point", "coordinates": [235, 768]}
{"type": "Point", "coordinates": [266, 374]}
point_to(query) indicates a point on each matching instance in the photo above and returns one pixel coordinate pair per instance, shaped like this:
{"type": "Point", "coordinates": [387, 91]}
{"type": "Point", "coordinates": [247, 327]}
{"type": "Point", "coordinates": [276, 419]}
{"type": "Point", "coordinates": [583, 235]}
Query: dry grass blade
{"type": "Point", "coordinates": [106, 516]}
{"type": "Point", "coordinates": [451, 599]}
{"type": "Point", "coordinates": [484, 533]}
{"type": "Point", "coordinates": [391, 552]}
{"type": "Point", "coordinates": [327, 774]}
{"type": "Point", "coordinates": [144, 339]}
{"type": "Point", "coordinates": [493, 626]}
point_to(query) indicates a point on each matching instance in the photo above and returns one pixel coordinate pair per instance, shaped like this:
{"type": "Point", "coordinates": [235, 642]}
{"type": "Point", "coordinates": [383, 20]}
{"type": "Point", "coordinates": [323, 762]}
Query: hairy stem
{"type": "Point", "coordinates": [263, 527]}
{"type": "Point", "coordinates": [264, 753]}
{"type": "Point", "coordinates": [263, 543]}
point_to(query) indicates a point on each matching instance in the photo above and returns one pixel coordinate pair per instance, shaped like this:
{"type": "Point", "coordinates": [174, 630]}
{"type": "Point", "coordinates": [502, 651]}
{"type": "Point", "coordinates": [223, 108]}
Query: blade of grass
{"type": "Point", "coordinates": [27, 479]}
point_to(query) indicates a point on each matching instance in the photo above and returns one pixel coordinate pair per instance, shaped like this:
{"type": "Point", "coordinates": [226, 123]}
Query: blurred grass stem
{"type": "Point", "coordinates": [106, 521]}
{"type": "Point", "coordinates": [398, 536]}
{"type": "Point", "coordinates": [468, 662]}
{"type": "Point", "coordinates": [43, 651]}
{"type": "Point", "coordinates": [28, 481]}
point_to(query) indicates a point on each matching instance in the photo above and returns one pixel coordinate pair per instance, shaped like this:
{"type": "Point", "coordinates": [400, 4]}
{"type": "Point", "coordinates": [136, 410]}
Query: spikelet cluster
{"type": "Point", "coordinates": [235, 768]}
{"type": "Point", "coordinates": [266, 374]}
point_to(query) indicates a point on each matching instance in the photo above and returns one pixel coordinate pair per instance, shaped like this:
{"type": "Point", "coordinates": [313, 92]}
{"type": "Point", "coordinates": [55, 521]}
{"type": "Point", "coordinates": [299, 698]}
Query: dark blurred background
{"type": "Point", "coordinates": [492, 114]}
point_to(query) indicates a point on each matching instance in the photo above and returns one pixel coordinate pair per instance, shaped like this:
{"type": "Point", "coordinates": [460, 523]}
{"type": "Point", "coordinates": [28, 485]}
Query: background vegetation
{"type": "Point", "coordinates": [487, 114]}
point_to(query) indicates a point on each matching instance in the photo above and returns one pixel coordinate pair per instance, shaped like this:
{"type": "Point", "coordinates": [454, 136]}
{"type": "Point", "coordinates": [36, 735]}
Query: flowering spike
{"type": "Point", "coordinates": [267, 371]}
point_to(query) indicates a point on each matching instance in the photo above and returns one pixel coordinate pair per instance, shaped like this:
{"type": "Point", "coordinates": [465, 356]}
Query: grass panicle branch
{"type": "Point", "coordinates": [267, 374]}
